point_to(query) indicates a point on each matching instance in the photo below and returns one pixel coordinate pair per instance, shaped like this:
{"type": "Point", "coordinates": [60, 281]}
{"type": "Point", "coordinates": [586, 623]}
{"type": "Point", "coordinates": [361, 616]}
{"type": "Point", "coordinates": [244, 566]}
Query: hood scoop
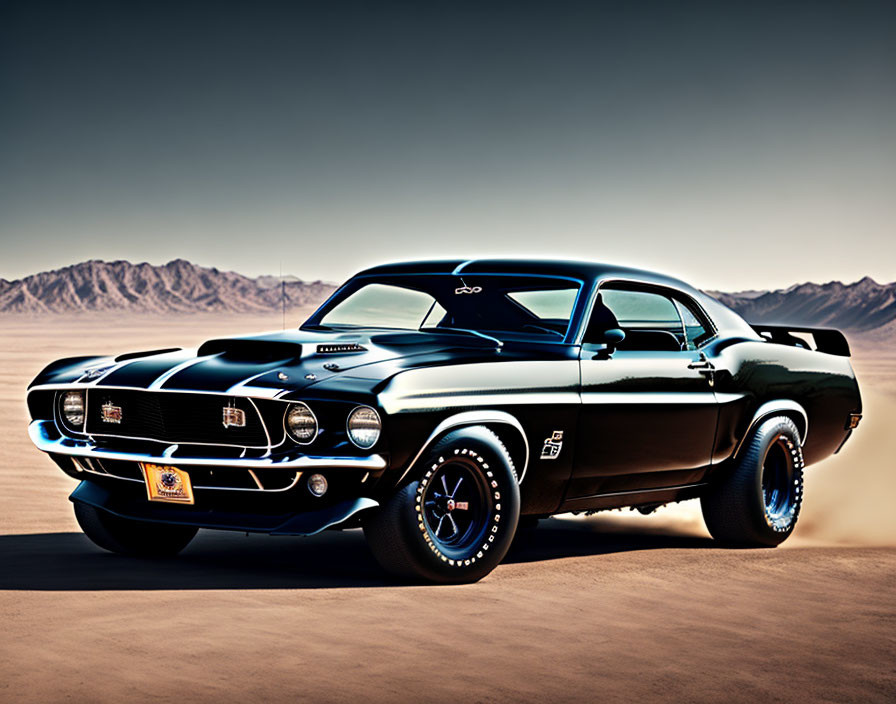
{"type": "Point", "coordinates": [340, 348]}
{"type": "Point", "coordinates": [248, 350]}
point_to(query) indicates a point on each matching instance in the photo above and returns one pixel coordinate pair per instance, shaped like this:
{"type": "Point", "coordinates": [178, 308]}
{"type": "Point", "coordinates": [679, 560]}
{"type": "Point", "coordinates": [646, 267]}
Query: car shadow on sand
{"type": "Point", "coordinates": [224, 560]}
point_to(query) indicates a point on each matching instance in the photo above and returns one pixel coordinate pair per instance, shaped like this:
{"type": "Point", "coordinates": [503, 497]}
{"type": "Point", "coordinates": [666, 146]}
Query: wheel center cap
{"type": "Point", "coordinates": [450, 504]}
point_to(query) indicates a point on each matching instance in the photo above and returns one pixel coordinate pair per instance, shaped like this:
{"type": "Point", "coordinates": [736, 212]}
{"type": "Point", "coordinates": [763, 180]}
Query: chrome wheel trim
{"type": "Point", "coordinates": [781, 484]}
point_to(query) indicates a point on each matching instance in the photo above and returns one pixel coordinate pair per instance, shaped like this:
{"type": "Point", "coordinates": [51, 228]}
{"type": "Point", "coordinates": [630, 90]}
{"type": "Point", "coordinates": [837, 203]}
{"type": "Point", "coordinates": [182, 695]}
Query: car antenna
{"type": "Point", "coordinates": [282, 294]}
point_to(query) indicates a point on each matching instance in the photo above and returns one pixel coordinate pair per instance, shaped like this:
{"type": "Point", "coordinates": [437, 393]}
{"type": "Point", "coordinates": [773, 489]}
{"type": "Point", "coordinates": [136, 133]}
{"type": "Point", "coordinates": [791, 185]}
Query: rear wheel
{"type": "Point", "coordinates": [758, 502]}
{"type": "Point", "coordinates": [456, 522]}
{"type": "Point", "coordinates": [131, 537]}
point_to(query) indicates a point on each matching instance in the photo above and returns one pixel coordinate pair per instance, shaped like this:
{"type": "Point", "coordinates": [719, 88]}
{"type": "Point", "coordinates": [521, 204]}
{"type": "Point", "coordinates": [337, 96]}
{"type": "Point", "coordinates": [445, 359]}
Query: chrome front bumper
{"type": "Point", "coordinates": [46, 437]}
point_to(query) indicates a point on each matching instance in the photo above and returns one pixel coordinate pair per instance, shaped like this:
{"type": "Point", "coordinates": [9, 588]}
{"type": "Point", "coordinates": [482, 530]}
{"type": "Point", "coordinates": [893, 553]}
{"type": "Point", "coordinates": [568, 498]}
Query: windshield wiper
{"type": "Point", "coordinates": [465, 331]}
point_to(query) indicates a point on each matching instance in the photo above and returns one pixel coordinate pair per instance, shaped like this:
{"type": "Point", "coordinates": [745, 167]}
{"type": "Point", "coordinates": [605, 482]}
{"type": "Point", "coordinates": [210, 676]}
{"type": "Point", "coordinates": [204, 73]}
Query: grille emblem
{"type": "Point", "coordinates": [111, 413]}
{"type": "Point", "coordinates": [234, 417]}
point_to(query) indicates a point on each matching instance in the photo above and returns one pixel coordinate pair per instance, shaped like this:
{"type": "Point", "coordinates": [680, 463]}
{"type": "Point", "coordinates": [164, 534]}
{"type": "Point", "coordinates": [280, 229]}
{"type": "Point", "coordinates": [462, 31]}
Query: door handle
{"type": "Point", "coordinates": [704, 366]}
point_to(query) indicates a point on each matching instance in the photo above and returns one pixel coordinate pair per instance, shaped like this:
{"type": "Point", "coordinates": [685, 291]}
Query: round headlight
{"type": "Point", "coordinates": [364, 427]}
{"type": "Point", "coordinates": [73, 408]}
{"type": "Point", "coordinates": [301, 423]}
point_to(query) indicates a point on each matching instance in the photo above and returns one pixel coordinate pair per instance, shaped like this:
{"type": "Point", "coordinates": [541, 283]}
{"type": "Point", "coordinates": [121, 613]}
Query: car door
{"type": "Point", "coordinates": [649, 414]}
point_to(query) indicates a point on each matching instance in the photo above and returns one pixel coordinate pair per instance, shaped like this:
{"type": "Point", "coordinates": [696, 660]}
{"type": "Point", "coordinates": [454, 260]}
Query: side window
{"type": "Point", "coordinates": [651, 321]}
{"type": "Point", "coordinates": [695, 332]}
{"type": "Point", "coordinates": [642, 309]}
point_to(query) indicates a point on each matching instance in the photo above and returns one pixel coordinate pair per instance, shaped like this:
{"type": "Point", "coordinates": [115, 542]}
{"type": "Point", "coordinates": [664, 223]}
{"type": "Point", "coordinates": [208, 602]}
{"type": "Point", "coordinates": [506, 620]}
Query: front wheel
{"type": "Point", "coordinates": [456, 522]}
{"type": "Point", "coordinates": [758, 502]}
{"type": "Point", "coordinates": [131, 537]}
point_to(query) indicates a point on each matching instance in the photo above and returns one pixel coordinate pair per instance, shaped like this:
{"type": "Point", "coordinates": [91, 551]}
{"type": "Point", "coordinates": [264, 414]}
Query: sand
{"type": "Point", "coordinates": [613, 606]}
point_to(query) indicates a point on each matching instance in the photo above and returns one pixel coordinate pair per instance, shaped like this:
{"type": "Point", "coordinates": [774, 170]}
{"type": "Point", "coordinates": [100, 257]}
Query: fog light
{"type": "Point", "coordinates": [73, 408]}
{"type": "Point", "coordinates": [317, 484]}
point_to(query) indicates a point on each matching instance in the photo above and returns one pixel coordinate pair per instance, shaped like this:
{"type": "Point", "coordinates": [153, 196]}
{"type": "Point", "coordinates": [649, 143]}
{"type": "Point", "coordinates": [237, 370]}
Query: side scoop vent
{"type": "Point", "coordinates": [341, 348]}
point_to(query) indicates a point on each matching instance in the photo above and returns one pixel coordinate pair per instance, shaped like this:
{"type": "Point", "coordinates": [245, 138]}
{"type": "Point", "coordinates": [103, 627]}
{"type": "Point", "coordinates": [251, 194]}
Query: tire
{"type": "Point", "coordinates": [757, 503]}
{"type": "Point", "coordinates": [526, 529]}
{"type": "Point", "coordinates": [131, 537]}
{"type": "Point", "coordinates": [455, 523]}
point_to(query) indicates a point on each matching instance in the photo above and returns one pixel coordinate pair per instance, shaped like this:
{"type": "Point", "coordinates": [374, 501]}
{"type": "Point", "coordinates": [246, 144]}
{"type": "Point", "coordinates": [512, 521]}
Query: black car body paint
{"type": "Point", "coordinates": [588, 425]}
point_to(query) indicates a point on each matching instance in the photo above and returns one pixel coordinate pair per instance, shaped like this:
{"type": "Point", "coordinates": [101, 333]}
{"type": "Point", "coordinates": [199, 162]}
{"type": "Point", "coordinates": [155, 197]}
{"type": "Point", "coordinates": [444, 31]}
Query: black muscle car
{"type": "Point", "coordinates": [441, 404]}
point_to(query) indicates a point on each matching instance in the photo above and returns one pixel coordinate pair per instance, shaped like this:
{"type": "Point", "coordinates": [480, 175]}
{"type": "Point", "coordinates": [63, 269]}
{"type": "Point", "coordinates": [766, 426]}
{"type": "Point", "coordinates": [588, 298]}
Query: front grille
{"type": "Point", "coordinates": [173, 417]}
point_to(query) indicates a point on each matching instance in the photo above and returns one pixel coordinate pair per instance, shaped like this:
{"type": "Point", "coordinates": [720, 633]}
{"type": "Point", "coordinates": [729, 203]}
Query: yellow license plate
{"type": "Point", "coordinates": [164, 483]}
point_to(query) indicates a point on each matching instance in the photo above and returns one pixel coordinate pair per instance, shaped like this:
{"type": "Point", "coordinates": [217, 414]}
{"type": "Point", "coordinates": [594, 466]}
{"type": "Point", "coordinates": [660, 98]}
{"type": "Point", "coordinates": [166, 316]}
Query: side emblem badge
{"type": "Point", "coordinates": [552, 446]}
{"type": "Point", "coordinates": [234, 417]}
{"type": "Point", "coordinates": [111, 413]}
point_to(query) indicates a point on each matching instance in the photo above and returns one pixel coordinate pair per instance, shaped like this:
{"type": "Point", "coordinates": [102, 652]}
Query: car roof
{"type": "Point", "coordinates": [582, 270]}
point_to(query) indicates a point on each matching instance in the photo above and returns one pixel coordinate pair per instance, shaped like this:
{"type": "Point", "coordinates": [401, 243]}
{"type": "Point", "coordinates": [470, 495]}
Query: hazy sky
{"type": "Point", "coordinates": [736, 145]}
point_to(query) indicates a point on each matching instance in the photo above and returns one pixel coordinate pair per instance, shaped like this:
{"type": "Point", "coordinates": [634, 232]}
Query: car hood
{"type": "Point", "coordinates": [272, 363]}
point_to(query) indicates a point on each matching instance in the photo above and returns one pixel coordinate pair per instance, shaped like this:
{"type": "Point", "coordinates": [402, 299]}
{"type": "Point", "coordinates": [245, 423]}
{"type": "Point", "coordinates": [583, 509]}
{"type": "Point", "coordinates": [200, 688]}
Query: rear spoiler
{"type": "Point", "coordinates": [826, 340]}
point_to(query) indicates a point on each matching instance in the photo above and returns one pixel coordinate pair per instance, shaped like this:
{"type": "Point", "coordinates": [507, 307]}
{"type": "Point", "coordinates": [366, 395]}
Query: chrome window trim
{"type": "Point", "coordinates": [568, 336]}
{"type": "Point", "coordinates": [647, 284]}
{"type": "Point", "coordinates": [472, 418]}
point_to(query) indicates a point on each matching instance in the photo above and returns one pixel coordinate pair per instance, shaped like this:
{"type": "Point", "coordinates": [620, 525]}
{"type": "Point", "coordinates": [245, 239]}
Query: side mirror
{"type": "Point", "coordinates": [613, 337]}
{"type": "Point", "coordinates": [609, 340]}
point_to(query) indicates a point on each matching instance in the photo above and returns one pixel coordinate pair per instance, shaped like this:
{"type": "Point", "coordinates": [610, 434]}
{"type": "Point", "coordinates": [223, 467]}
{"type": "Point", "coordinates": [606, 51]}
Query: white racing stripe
{"type": "Point", "coordinates": [648, 398]}
{"type": "Point", "coordinates": [157, 384]}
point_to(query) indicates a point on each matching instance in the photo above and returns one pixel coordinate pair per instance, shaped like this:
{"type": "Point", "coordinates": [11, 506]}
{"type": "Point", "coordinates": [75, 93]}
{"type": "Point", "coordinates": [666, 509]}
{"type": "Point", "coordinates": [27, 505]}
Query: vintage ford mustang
{"type": "Point", "coordinates": [441, 404]}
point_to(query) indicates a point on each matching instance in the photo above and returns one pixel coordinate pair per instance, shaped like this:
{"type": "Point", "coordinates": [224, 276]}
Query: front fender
{"type": "Point", "coordinates": [67, 370]}
{"type": "Point", "coordinates": [496, 420]}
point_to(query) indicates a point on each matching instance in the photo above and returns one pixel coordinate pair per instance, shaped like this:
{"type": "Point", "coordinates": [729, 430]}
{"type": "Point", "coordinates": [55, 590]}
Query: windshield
{"type": "Point", "coordinates": [506, 307]}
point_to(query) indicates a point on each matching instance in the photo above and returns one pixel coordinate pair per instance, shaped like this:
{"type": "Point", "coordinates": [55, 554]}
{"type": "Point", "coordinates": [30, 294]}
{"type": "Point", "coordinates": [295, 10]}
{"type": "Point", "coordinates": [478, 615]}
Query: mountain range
{"type": "Point", "coordinates": [860, 306]}
{"type": "Point", "coordinates": [183, 287]}
{"type": "Point", "coordinates": [176, 287]}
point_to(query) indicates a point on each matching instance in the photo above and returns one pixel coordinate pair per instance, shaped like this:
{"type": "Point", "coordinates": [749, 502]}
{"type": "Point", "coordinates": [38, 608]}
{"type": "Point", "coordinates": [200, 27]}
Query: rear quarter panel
{"type": "Point", "coordinates": [753, 373]}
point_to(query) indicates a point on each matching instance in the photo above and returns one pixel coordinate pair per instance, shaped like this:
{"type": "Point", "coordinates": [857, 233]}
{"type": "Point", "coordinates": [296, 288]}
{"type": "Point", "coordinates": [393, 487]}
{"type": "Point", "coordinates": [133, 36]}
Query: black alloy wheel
{"type": "Point", "coordinates": [456, 506]}
{"type": "Point", "coordinates": [456, 521]}
{"type": "Point", "coordinates": [756, 501]}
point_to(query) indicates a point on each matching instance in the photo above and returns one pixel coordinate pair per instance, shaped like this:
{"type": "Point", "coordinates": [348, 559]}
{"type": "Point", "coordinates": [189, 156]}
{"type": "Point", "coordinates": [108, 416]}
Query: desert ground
{"type": "Point", "coordinates": [613, 607]}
